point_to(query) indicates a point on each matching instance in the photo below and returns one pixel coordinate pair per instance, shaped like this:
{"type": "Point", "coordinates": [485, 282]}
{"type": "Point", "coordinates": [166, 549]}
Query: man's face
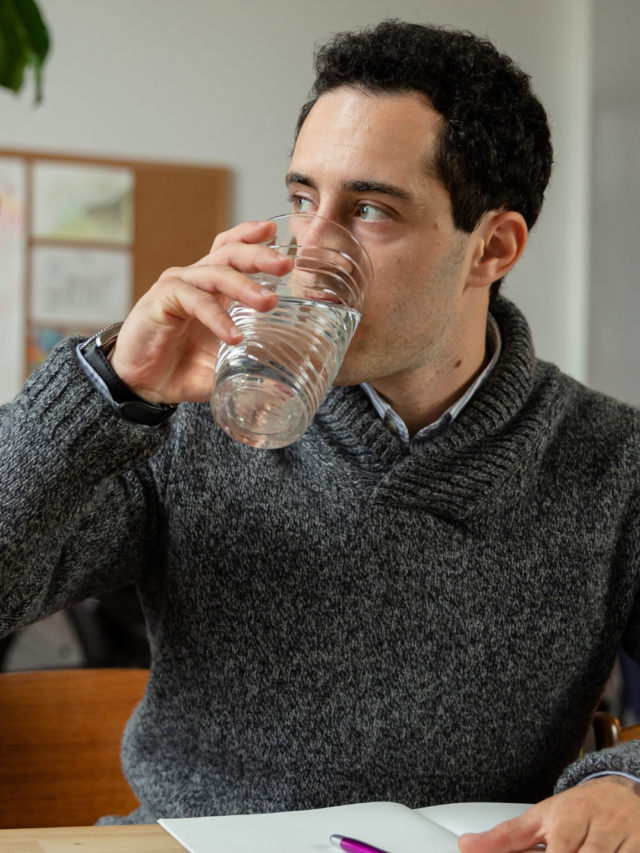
{"type": "Point", "coordinates": [362, 160]}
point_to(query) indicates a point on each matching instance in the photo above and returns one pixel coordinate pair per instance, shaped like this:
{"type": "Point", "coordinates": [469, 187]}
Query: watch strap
{"type": "Point", "coordinates": [129, 405]}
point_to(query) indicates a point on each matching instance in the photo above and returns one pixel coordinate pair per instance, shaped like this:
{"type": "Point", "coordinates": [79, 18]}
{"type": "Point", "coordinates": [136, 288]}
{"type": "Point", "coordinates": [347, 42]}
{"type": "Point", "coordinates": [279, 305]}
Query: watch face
{"type": "Point", "coordinates": [106, 338]}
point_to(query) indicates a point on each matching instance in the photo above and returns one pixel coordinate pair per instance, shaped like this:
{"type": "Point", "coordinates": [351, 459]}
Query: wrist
{"type": "Point", "coordinates": [120, 370]}
{"type": "Point", "coordinates": [624, 780]}
{"type": "Point", "coordinates": [98, 353]}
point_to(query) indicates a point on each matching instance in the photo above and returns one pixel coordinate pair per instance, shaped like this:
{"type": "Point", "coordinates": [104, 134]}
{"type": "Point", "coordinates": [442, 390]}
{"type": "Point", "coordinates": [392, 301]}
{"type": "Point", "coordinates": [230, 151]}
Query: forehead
{"type": "Point", "coordinates": [357, 134]}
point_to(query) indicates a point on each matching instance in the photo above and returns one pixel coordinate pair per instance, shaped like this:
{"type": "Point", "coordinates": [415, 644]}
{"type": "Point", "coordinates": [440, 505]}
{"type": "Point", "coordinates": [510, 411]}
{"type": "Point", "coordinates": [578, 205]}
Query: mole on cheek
{"type": "Point", "coordinates": [458, 363]}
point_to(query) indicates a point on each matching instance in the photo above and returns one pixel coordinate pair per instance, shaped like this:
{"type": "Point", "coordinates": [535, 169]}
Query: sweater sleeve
{"type": "Point", "coordinates": [622, 760]}
{"type": "Point", "coordinates": [625, 758]}
{"type": "Point", "coordinates": [80, 495]}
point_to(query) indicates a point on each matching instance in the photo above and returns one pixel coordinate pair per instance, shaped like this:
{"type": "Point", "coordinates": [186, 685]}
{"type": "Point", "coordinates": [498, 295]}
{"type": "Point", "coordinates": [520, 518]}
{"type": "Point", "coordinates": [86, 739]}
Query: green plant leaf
{"type": "Point", "coordinates": [24, 40]}
{"type": "Point", "coordinates": [35, 27]}
{"type": "Point", "coordinates": [12, 52]}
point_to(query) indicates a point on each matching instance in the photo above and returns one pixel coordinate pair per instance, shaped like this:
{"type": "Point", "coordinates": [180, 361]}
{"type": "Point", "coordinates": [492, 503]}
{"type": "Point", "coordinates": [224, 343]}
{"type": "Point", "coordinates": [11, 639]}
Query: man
{"type": "Point", "coordinates": [420, 600]}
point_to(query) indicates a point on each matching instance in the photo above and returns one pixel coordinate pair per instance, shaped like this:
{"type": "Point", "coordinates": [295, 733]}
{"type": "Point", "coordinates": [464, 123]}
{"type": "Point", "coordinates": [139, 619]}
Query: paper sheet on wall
{"type": "Point", "coordinates": [12, 270]}
{"type": "Point", "coordinates": [82, 202]}
{"type": "Point", "coordinates": [84, 287]}
{"type": "Point", "coordinates": [43, 338]}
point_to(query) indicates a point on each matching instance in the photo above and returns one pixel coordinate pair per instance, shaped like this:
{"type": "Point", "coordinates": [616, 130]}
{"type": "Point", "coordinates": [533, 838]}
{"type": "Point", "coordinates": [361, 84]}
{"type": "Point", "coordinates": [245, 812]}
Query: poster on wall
{"type": "Point", "coordinates": [42, 339]}
{"type": "Point", "coordinates": [80, 287]}
{"type": "Point", "coordinates": [12, 271]}
{"type": "Point", "coordinates": [82, 202]}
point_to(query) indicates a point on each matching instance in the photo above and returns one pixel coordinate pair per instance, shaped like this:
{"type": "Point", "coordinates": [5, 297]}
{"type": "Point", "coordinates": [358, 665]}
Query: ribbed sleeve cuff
{"type": "Point", "coordinates": [71, 414]}
{"type": "Point", "coordinates": [623, 759]}
{"type": "Point", "coordinates": [611, 773]}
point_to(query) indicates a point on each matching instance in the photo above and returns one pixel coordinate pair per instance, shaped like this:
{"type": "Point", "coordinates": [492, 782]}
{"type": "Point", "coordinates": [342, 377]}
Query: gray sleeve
{"type": "Point", "coordinates": [80, 494]}
{"type": "Point", "coordinates": [625, 758]}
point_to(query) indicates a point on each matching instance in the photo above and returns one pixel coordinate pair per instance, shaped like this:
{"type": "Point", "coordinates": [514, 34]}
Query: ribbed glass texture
{"type": "Point", "coordinates": [269, 386]}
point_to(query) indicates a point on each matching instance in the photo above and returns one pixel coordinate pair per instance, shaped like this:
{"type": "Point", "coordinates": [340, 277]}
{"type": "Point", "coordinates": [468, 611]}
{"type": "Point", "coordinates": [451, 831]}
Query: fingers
{"type": "Point", "coordinates": [569, 836]}
{"type": "Point", "coordinates": [512, 836]}
{"type": "Point", "coordinates": [249, 259]}
{"type": "Point", "coordinates": [596, 842]}
{"type": "Point", "coordinates": [181, 301]}
{"type": "Point", "coordinates": [225, 276]}
{"type": "Point", "coordinates": [217, 279]}
{"type": "Point", "coordinates": [160, 350]}
{"type": "Point", "coordinates": [233, 253]}
{"type": "Point", "coordinates": [630, 845]}
{"type": "Point", "coordinates": [246, 232]}
{"type": "Point", "coordinates": [601, 816]}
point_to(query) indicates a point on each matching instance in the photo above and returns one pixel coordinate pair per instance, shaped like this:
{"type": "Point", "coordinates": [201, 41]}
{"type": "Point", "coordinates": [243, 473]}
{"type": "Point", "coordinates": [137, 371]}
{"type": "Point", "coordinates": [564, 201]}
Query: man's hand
{"type": "Point", "coordinates": [599, 816]}
{"type": "Point", "coordinates": [166, 350]}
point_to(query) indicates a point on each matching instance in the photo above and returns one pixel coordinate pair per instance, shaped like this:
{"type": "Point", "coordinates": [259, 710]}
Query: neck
{"type": "Point", "coordinates": [421, 396]}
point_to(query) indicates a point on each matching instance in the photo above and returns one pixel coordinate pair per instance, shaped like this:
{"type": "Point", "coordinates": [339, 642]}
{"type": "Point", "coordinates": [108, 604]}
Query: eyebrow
{"type": "Point", "coordinates": [355, 187]}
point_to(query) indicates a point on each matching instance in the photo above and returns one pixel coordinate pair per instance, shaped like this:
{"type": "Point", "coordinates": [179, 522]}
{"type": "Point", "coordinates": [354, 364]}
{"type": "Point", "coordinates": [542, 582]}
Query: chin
{"type": "Point", "coordinates": [362, 363]}
{"type": "Point", "coordinates": [343, 380]}
{"type": "Point", "coordinates": [338, 382]}
{"type": "Point", "coordinates": [352, 373]}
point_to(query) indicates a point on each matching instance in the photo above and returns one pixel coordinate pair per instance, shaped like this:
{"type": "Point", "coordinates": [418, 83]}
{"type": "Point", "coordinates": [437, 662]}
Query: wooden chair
{"type": "Point", "coordinates": [607, 731]}
{"type": "Point", "coordinates": [60, 734]}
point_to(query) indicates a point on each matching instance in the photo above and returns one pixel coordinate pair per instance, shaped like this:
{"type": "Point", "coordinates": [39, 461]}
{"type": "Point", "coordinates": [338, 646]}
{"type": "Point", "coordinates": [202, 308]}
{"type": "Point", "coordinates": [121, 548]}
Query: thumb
{"type": "Point", "coordinates": [512, 836]}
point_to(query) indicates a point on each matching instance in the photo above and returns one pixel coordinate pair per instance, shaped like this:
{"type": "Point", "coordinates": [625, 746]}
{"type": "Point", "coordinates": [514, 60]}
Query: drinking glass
{"type": "Point", "coordinates": [268, 387]}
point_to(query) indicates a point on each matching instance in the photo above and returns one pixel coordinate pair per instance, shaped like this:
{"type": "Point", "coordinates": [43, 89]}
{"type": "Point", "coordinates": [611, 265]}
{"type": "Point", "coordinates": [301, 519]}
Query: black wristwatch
{"type": "Point", "coordinates": [129, 405]}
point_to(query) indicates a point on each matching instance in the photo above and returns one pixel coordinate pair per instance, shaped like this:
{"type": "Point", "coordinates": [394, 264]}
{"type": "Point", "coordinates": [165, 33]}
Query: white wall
{"type": "Point", "coordinates": [615, 290]}
{"type": "Point", "coordinates": [221, 81]}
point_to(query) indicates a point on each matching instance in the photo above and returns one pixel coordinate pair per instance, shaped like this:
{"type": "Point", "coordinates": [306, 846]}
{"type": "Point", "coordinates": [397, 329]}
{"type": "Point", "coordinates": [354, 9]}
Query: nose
{"type": "Point", "coordinates": [328, 248]}
{"type": "Point", "coordinates": [315, 230]}
{"type": "Point", "coordinates": [322, 233]}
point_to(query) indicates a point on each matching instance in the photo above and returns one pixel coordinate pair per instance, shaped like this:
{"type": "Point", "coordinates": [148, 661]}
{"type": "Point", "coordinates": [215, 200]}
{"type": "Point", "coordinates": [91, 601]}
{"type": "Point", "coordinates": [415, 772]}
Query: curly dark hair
{"type": "Point", "coordinates": [494, 151]}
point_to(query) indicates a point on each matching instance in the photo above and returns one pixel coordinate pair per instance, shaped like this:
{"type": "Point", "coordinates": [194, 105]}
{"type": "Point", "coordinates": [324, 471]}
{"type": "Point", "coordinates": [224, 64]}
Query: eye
{"type": "Point", "coordinates": [369, 213]}
{"type": "Point", "coordinates": [301, 205]}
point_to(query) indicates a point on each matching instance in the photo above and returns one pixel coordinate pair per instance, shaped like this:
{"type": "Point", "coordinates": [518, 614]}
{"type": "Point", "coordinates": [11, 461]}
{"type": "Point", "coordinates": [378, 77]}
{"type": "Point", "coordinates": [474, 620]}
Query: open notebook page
{"type": "Point", "coordinates": [390, 826]}
{"type": "Point", "coordinates": [472, 817]}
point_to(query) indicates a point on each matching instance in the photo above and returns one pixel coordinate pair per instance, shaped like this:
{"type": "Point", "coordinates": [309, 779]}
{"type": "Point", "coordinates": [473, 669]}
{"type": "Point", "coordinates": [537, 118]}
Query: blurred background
{"type": "Point", "coordinates": [219, 83]}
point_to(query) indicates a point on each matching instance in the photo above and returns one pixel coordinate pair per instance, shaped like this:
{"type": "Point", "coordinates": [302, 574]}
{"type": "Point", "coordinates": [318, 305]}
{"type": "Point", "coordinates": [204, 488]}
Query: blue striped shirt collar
{"type": "Point", "coordinates": [396, 425]}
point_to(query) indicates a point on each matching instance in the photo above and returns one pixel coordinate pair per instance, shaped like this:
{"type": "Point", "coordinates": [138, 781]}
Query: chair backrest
{"type": "Point", "coordinates": [628, 733]}
{"type": "Point", "coordinates": [607, 731]}
{"type": "Point", "coordinates": [60, 735]}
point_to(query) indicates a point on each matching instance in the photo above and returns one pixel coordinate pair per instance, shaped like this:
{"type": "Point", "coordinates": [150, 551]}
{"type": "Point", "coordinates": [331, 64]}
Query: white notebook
{"type": "Point", "coordinates": [389, 826]}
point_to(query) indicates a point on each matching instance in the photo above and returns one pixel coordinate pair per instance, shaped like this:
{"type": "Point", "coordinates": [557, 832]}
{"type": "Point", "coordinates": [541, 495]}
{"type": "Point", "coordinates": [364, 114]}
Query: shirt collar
{"type": "Point", "coordinates": [396, 425]}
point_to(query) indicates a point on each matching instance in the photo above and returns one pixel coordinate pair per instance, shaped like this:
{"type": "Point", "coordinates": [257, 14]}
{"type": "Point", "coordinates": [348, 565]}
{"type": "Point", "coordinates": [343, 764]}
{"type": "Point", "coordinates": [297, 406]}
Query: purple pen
{"type": "Point", "coordinates": [352, 845]}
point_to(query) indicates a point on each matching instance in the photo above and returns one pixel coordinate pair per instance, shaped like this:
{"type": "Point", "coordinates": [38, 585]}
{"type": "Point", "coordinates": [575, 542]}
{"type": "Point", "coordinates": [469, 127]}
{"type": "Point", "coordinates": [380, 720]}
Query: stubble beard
{"type": "Point", "coordinates": [365, 361]}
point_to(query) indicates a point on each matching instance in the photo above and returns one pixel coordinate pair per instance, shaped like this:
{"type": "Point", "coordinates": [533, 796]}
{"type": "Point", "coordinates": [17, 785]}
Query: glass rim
{"type": "Point", "coordinates": [346, 231]}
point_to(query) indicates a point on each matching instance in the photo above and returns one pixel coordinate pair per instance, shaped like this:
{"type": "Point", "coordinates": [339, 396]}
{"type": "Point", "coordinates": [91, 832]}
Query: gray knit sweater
{"type": "Point", "coordinates": [340, 621]}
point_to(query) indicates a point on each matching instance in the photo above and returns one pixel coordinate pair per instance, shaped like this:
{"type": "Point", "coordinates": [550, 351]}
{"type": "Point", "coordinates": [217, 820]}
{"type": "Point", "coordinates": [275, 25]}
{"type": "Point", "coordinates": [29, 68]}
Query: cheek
{"type": "Point", "coordinates": [389, 314]}
{"type": "Point", "coordinates": [408, 270]}
{"type": "Point", "coordinates": [400, 286]}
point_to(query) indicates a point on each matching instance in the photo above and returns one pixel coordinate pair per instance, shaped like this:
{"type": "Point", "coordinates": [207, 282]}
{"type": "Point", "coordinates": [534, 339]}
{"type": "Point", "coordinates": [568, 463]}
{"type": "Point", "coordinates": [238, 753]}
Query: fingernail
{"type": "Point", "coordinates": [235, 331]}
{"type": "Point", "coordinates": [265, 291]}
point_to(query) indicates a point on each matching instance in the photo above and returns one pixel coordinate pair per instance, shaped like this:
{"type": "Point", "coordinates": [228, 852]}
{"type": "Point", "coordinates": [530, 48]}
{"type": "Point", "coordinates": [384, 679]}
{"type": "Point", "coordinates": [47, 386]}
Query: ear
{"type": "Point", "coordinates": [500, 240]}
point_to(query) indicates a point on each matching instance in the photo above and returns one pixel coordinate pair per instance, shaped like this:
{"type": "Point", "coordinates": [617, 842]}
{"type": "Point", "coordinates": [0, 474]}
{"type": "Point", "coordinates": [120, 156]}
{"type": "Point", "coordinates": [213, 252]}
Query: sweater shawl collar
{"type": "Point", "coordinates": [485, 456]}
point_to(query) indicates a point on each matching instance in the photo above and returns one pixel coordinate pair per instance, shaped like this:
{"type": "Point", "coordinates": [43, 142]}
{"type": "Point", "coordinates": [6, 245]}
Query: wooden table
{"type": "Point", "coordinates": [89, 839]}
